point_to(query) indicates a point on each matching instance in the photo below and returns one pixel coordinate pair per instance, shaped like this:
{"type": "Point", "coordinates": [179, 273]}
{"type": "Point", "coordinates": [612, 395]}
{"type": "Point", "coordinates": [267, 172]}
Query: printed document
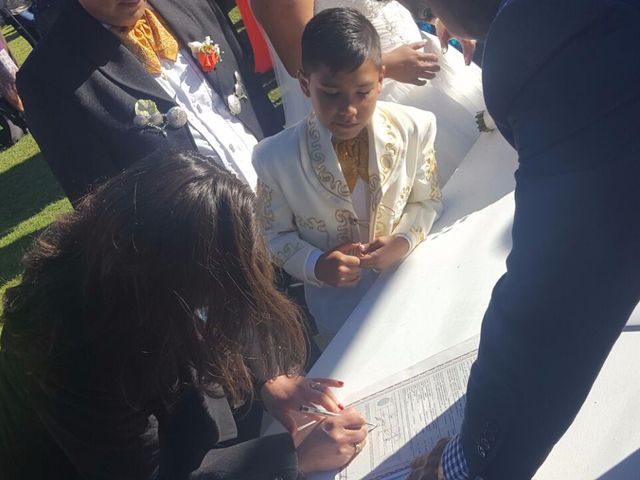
{"type": "Point", "coordinates": [411, 411]}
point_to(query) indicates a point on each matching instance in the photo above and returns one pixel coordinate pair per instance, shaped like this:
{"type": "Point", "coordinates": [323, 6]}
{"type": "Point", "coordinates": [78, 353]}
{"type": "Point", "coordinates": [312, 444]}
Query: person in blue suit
{"type": "Point", "coordinates": [562, 82]}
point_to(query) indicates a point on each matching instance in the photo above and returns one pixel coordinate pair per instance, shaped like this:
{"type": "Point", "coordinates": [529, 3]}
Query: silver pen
{"type": "Point", "coordinates": [325, 413]}
{"type": "Point", "coordinates": [316, 411]}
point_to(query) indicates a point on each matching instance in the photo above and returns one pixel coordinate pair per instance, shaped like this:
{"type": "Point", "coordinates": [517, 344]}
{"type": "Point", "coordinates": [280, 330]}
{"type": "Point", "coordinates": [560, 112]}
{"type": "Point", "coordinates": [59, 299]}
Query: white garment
{"type": "Point", "coordinates": [217, 132]}
{"type": "Point", "coordinates": [360, 199]}
{"type": "Point", "coordinates": [304, 203]}
{"type": "Point", "coordinates": [454, 96]}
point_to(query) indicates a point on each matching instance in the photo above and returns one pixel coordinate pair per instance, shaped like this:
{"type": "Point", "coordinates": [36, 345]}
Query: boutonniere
{"type": "Point", "coordinates": [207, 53]}
{"type": "Point", "coordinates": [147, 116]}
{"type": "Point", "coordinates": [484, 122]}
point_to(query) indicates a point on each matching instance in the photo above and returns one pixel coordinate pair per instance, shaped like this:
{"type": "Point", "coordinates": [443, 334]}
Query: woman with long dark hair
{"type": "Point", "coordinates": [139, 318]}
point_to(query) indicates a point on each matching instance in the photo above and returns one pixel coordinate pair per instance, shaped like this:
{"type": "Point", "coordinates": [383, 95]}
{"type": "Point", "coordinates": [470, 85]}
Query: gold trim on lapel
{"type": "Point", "coordinates": [323, 161]}
{"type": "Point", "coordinates": [384, 150]}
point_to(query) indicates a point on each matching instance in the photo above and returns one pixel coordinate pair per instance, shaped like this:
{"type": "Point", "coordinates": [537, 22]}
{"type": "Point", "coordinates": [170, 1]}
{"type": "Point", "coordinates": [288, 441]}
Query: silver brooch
{"type": "Point", "coordinates": [147, 116]}
{"type": "Point", "coordinates": [234, 100]}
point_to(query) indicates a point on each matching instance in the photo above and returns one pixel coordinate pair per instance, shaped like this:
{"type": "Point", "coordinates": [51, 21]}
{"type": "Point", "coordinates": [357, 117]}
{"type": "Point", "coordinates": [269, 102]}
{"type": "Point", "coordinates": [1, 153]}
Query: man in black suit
{"type": "Point", "coordinates": [562, 82]}
{"type": "Point", "coordinates": [81, 83]}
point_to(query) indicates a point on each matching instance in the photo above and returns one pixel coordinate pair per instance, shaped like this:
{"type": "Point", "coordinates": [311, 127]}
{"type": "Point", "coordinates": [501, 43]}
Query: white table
{"type": "Point", "coordinates": [437, 299]}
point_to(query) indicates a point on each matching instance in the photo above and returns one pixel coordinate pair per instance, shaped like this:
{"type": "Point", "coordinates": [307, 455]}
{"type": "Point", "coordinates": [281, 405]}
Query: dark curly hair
{"type": "Point", "coordinates": [164, 260]}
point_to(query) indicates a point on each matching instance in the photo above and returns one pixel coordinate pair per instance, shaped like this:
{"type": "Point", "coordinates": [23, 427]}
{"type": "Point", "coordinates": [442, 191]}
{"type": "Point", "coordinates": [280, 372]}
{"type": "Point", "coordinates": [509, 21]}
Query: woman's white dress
{"type": "Point", "coordinates": [454, 96]}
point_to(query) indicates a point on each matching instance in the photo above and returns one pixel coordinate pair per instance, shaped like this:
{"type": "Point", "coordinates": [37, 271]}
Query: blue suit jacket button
{"type": "Point", "coordinates": [481, 451]}
{"type": "Point", "coordinates": [485, 444]}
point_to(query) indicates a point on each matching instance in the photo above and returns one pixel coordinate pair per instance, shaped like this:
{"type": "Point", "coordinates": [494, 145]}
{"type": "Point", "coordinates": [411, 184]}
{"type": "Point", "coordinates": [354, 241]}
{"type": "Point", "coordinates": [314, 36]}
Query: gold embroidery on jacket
{"type": "Point", "coordinates": [390, 152]}
{"type": "Point", "coordinates": [418, 232]}
{"type": "Point", "coordinates": [264, 194]}
{"type": "Point", "coordinates": [327, 179]}
{"type": "Point", "coordinates": [384, 220]}
{"type": "Point", "coordinates": [375, 192]}
{"type": "Point", "coordinates": [283, 255]}
{"type": "Point", "coordinates": [402, 199]}
{"type": "Point", "coordinates": [432, 177]}
{"type": "Point", "coordinates": [345, 222]}
{"type": "Point", "coordinates": [314, 224]}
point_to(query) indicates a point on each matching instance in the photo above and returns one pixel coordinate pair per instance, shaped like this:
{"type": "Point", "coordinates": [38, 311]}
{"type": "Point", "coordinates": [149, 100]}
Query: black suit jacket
{"type": "Point", "coordinates": [80, 84]}
{"type": "Point", "coordinates": [93, 417]}
{"type": "Point", "coordinates": [562, 81]}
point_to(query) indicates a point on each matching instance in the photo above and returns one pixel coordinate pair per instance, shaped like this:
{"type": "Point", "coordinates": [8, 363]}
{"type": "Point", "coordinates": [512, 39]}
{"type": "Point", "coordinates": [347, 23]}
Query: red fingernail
{"type": "Point", "coordinates": [340, 382]}
{"type": "Point", "coordinates": [340, 406]}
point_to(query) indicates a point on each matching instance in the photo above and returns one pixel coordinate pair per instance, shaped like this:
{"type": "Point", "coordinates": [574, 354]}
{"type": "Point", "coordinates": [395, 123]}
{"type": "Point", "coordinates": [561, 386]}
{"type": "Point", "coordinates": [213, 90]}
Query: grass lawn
{"type": "Point", "coordinates": [30, 197]}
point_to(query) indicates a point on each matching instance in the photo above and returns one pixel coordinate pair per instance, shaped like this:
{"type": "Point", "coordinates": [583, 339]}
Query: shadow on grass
{"type": "Point", "coordinates": [12, 35]}
{"type": "Point", "coordinates": [26, 189]}
{"type": "Point", "coordinates": [11, 256]}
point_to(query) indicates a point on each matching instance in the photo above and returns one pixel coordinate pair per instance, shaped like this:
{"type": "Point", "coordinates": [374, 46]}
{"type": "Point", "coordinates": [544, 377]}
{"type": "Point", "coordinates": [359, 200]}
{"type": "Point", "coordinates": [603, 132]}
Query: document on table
{"type": "Point", "coordinates": [411, 411]}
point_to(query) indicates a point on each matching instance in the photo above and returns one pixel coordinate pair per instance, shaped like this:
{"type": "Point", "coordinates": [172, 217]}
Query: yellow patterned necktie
{"type": "Point", "coordinates": [353, 157]}
{"type": "Point", "coordinates": [149, 40]}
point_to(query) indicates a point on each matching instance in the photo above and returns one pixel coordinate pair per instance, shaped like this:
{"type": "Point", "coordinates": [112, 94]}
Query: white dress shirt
{"type": "Point", "coordinates": [217, 133]}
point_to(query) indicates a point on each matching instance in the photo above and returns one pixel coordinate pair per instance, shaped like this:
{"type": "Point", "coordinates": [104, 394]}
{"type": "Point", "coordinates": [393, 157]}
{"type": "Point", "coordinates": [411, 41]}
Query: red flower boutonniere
{"type": "Point", "coordinates": [207, 53]}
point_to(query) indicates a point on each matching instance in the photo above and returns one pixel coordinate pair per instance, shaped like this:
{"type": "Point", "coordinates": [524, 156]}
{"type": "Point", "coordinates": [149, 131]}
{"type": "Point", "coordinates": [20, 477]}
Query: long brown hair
{"type": "Point", "coordinates": [165, 259]}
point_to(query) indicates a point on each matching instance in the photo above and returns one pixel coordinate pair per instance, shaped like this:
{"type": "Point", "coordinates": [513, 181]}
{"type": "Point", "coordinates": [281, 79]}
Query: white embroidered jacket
{"type": "Point", "coordinates": [303, 199]}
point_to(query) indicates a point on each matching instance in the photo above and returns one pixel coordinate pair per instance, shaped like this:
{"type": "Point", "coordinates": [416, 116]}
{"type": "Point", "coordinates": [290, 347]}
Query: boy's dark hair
{"type": "Point", "coordinates": [341, 39]}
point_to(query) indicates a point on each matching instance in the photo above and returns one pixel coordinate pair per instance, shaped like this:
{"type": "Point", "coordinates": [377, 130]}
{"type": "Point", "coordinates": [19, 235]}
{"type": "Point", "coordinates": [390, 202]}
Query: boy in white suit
{"type": "Point", "coordinates": [352, 189]}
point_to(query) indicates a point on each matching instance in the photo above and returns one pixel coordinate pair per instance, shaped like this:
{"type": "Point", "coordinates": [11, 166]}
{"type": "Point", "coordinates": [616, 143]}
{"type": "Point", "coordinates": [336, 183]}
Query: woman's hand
{"type": "Point", "coordinates": [284, 395]}
{"type": "Point", "coordinates": [332, 443]}
{"type": "Point", "coordinates": [410, 64]}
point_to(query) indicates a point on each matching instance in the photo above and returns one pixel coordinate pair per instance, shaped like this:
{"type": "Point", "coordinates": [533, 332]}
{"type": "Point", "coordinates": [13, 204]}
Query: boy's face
{"type": "Point", "coordinates": [344, 101]}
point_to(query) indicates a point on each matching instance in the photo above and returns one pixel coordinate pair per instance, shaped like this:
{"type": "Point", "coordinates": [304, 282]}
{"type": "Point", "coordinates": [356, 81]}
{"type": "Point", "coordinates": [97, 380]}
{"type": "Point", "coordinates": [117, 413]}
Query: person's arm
{"type": "Point", "coordinates": [283, 240]}
{"type": "Point", "coordinates": [283, 21]}
{"type": "Point", "coordinates": [424, 202]}
{"type": "Point", "coordinates": [422, 207]}
{"type": "Point", "coordinates": [75, 153]}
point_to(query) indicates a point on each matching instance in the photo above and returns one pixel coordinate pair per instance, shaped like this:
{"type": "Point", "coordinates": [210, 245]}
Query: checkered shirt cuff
{"type": "Point", "coordinates": [454, 464]}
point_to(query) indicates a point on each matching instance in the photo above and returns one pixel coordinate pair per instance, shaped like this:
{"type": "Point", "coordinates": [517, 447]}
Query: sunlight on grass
{"type": "Point", "coordinates": [37, 222]}
{"type": "Point", "coordinates": [18, 46]}
{"type": "Point", "coordinates": [30, 198]}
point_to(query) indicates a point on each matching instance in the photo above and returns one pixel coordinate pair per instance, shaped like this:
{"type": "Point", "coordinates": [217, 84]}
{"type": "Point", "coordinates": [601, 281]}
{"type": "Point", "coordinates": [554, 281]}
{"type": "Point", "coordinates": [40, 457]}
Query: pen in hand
{"type": "Point", "coordinates": [312, 410]}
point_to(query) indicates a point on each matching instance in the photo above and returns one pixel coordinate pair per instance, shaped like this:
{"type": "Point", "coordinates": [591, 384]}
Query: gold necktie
{"type": "Point", "coordinates": [353, 157]}
{"type": "Point", "coordinates": [149, 40]}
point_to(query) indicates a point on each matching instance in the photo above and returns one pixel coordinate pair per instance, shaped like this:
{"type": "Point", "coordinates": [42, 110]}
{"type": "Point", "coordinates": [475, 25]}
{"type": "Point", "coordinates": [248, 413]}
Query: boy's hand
{"type": "Point", "coordinates": [340, 267]}
{"type": "Point", "coordinates": [384, 252]}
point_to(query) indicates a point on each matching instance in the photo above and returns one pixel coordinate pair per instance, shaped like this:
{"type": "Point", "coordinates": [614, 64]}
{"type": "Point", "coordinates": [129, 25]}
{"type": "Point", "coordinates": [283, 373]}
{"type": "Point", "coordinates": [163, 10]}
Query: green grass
{"type": "Point", "coordinates": [30, 198]}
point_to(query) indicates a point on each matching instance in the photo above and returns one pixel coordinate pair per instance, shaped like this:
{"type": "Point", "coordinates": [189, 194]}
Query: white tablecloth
{"type": "Point", "coordinates": [437, 299]}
